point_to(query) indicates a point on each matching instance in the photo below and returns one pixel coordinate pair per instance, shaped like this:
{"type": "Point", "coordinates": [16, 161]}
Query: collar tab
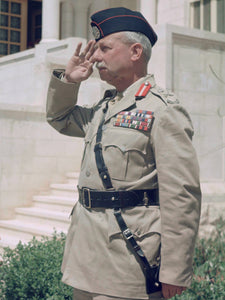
{"type": "Point", "coordinates": [143, 90]}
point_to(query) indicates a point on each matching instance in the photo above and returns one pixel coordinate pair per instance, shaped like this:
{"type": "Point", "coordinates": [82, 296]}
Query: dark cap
{"type": "Point", "coordinates": [118, 19]}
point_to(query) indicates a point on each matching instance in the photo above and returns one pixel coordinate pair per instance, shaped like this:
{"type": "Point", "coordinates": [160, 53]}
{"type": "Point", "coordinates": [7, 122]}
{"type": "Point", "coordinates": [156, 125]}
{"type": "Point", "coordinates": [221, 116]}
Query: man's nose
{"type": "Point", "coordinates": [97, 57]}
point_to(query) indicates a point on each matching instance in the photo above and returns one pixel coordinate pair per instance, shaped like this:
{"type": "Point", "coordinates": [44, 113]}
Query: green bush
{"type": "Point", "coordinates": [32, 271]}
{"type": "Point", "coordinates": [209, 268]}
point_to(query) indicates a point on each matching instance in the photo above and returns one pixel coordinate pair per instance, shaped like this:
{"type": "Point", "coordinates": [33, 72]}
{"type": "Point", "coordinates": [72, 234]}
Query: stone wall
{"type": "Point", "coordinates": [32, 154]}
{"type": "Point", "coordinates": [199, 67]}
{"type": "Point", "coordinates": [194, 69]}
{"type": "Point", "coordinates": [173, 12]}
{"type": "Point", "coordinates": [189, 62]}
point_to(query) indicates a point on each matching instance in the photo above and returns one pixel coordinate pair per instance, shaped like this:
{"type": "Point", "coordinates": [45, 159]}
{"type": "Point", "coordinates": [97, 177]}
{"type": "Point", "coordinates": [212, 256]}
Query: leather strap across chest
{"type": "Point", "coordinates": [101, 166]}
{"type": "Point", "coordinates": [117, 200]}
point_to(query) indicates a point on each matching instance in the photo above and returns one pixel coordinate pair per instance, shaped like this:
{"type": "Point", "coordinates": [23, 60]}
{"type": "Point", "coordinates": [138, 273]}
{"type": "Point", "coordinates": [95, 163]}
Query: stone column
{"type": "Point", "coordinates": [67, 12]}
{"type": "Point", "coordinates": [213, 15]}
{"type": "Point", "coordinates": [81, 18]}
{"type": "Point", "coordinates": [50, 20]}
{"type": "Point", "coordinates": [149, 10]}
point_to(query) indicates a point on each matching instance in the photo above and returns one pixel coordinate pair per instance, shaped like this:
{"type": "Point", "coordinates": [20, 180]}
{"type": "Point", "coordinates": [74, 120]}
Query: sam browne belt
{"type": "Point", "coordinates": [117, 199]}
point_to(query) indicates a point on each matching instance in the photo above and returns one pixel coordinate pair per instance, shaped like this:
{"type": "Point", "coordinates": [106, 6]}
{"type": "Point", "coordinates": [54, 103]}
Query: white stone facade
{"type": "Point", "coordinates": [189, 62]}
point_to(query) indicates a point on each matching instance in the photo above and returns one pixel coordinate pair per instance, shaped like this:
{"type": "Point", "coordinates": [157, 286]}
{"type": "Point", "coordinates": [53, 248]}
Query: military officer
{"type": "Point", "coordinates": [139, 192]}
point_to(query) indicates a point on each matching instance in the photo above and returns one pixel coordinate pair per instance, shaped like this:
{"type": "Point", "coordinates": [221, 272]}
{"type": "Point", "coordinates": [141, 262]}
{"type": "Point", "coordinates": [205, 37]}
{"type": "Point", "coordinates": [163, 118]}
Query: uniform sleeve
{"type": "Point", "coordinates": [179, 193]}
{"type": "Point", "coordinates": [62, 112]}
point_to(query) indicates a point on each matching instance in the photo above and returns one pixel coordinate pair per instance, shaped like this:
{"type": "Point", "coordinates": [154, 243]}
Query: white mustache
{"type": "Point", "coordinates": [100, 65]}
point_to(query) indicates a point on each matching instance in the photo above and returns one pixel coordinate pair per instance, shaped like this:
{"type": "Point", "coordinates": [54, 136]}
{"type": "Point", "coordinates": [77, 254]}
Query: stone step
{"type": "Point", "coordinates": [63, 189]}
{"type": "Point", "coordinates": [10, 238]}
{"type": "Point", "coordinates": [54, 203]}
{"type": "Point", "coordinates": [13, 231]}
{"type": "Point", "coordinates": [213, 191]}
{"type": "Point", "coordinates": [37, 215]}
{"type": "Point", "coordinates": [50, 212]}
{"type": "Point", "coordinates": [72, 177]}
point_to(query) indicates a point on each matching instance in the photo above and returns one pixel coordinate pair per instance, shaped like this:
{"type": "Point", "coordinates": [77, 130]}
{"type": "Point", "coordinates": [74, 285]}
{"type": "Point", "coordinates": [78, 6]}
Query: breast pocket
{"type": "Point", "coordinates": [90, 135]}
{"type": "Point", "coordinates": [124, 153]}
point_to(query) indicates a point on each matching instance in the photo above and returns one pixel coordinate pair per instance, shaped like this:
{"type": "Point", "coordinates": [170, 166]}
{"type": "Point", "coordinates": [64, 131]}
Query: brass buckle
{"type": "Point", "coordinates": [89, 197]}
{"type": "Point", "coordinates": [127, 234]}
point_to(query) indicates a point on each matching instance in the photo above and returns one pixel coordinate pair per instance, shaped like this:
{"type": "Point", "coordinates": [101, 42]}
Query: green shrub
{"type": "Point", "coordinates": [209, 268]}
{"type": "Point", "coordinates": [32, 271]}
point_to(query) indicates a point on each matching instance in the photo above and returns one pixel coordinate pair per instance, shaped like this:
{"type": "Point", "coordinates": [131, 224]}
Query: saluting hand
{"type": "Point", "coordinates": [80, 66]}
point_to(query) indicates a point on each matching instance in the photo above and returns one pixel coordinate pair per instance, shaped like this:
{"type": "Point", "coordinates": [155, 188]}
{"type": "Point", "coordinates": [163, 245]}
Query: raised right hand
{"type": "Point", "coordinates": [80, 67]}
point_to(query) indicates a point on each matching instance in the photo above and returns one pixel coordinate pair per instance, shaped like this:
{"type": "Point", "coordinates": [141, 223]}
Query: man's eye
{"type": "Point", "coordinates": [105, 48]}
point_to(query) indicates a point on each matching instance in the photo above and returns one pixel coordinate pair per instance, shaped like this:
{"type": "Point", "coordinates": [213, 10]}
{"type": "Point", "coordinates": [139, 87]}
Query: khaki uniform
{"type": "Point", "coordinates": [96, 257]}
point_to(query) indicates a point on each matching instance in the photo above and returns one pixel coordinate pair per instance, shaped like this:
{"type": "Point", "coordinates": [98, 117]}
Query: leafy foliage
{"type": "Point", "coordinates": [32, 271]}
{"type": "Point", "coordinates": [209, 268]}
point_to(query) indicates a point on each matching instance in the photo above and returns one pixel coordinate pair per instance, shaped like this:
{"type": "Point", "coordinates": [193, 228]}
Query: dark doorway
{"type": "Point", "coordinates": [34, 22]}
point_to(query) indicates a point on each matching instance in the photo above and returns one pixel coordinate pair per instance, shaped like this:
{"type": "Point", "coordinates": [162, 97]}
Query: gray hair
{"type": "Point", "coordinates": [138, 37]}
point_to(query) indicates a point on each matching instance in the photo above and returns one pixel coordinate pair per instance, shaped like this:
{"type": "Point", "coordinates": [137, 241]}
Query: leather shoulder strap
{"type": "Point", "coordinates": [101, 166]}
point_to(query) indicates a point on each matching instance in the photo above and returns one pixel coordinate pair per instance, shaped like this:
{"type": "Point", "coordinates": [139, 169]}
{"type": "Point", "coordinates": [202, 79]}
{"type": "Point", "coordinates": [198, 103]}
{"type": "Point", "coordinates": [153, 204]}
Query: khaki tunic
{"type": "Point", "coordinates": [96, 257]}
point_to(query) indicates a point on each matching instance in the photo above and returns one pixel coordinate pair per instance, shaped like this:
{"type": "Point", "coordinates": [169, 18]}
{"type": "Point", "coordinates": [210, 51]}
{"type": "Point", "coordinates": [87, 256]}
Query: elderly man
{"type": "Point", "coordinates": [139, 193]}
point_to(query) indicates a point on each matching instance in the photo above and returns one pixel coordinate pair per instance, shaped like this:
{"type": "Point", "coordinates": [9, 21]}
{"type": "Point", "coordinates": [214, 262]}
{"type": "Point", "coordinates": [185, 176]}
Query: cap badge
{"type": "Point", "coordinates": [96, 32]}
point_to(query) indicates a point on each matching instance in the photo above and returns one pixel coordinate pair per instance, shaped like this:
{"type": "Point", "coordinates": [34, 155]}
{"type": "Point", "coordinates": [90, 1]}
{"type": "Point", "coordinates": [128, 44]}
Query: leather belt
{"type": "Point", "coordinates": [117, 199]}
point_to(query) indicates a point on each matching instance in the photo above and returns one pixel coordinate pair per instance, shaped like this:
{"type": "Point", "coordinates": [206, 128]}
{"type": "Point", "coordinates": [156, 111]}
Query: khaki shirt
{"type": "Point", "coordinates": [96, 257]}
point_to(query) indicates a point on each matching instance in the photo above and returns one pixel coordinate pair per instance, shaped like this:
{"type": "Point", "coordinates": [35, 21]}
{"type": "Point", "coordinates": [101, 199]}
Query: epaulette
{"type": "Point", "coordinates": [143, 90]}
{"type": "Point", "coordinates": [166, 96]}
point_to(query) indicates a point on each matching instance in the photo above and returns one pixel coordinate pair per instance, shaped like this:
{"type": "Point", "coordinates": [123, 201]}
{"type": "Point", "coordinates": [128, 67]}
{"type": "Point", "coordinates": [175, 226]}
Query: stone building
{"type": "Point", "coordinates": [37, 36]}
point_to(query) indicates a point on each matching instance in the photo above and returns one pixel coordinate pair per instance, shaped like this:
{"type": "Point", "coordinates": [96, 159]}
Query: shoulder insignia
{"type": "Point", "coordinates": [166, 96]}
{"type": "Point", "coordinates": [143, 90]}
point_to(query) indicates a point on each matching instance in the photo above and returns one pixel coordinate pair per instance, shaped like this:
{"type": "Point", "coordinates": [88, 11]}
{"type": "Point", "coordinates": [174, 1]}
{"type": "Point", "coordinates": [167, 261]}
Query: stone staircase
{"type": "Point", "coordinates": [49, 212]}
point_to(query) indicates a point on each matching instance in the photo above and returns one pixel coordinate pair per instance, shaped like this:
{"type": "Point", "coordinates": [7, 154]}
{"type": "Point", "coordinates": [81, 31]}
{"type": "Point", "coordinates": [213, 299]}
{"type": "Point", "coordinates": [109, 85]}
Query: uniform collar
{"type": "Point", "coordinates": [135, 86]}
{"type": "Point", "coordinates": [128, 99]}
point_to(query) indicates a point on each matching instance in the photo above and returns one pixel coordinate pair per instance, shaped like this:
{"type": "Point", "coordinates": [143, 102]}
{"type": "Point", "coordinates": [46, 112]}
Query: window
{"type": "Point", "coordinates": [13, 26]}
{"type": "Point", "coordinates": [208, 15]}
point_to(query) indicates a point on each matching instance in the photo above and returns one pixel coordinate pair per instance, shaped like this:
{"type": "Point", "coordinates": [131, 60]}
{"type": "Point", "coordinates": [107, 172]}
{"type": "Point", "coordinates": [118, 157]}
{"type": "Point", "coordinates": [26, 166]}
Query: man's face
{"type": "Point", "coordinates": [112, 58]}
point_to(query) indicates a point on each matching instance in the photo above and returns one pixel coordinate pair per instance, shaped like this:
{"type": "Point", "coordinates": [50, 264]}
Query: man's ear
{"type": "Point", "coordinates": [136, 51]}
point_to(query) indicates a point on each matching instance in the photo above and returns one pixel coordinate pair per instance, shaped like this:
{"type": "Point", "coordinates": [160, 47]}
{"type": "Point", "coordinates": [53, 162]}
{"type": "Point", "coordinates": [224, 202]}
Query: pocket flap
{"type": "Point", "coordinates": [125, 139]}
{"type": "Point", "coordinates": [141, 221]}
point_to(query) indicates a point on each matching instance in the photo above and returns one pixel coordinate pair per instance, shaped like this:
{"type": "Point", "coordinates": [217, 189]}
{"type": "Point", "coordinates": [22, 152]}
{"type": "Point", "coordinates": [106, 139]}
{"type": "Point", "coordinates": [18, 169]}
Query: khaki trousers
{"type": "Point", "coordinates": [82, 295]}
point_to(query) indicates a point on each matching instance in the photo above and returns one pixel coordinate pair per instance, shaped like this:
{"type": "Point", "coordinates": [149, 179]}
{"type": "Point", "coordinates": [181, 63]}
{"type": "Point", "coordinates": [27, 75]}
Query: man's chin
{"type": "Point", "coordinates": [103, 76]}
{"type": "Point", "coordinates": [106, 77]}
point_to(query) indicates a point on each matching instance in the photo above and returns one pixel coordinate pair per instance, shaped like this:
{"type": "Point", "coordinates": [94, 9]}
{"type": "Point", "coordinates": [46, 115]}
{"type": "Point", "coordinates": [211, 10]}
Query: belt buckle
{"type": "Point", "coordinates": [127, 234]}
{"type": "Point", "coordinates": [84, 198]}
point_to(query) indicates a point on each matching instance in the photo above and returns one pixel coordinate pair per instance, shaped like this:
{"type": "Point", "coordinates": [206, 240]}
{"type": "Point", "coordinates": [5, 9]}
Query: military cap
{"type": "Point", "coordinates": [118, 19]}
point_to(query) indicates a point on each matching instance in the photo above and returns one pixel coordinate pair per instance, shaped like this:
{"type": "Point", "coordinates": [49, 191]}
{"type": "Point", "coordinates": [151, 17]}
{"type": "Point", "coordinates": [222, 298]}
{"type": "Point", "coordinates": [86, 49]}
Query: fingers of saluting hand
{"type": "Point", "coordinates": [91, 50]}
{"type": "Point", "coordinates": [88, 51]}
{"type": "Point", "coordinates": [79, 67]}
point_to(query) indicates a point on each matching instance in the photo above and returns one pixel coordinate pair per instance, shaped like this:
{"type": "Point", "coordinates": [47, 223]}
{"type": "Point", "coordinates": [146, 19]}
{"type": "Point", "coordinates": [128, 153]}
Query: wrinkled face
{"type": "Point", "coordinates": [113, 58]}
